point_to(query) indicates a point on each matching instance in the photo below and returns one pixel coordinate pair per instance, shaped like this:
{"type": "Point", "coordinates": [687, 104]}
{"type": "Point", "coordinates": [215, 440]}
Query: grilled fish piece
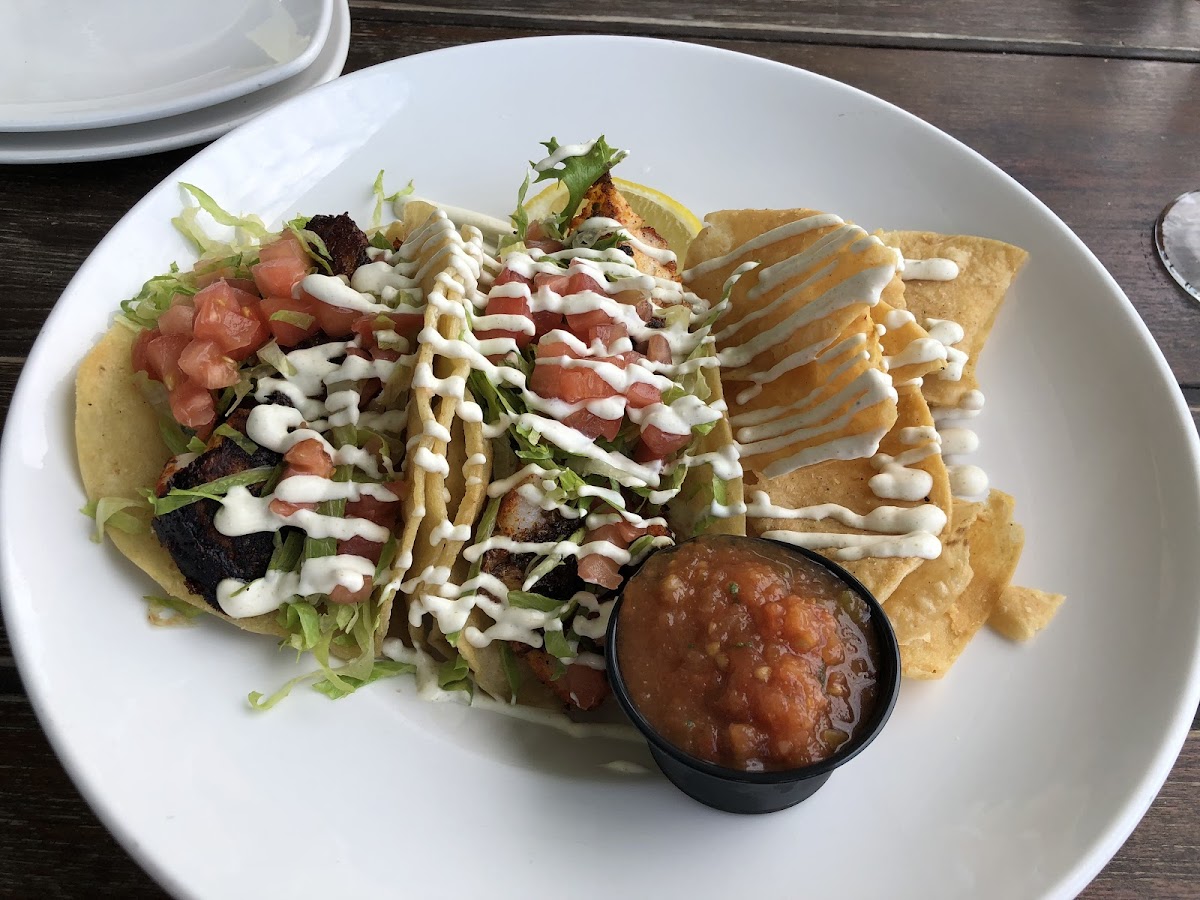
{"type": "Point", "coordinates": [203, 554]}
{"type": "Point", "coordinates": [523, 521]}
{"type": "Point", "coordinates": [604, 200]}
{"type": "Point", "coordinates": [345, 241]}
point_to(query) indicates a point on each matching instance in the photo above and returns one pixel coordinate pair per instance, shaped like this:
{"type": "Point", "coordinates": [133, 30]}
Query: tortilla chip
{"type": "Point", "coordinates": [931, 589]}
{"type": "Point", "coordinates": [1022, 612]}
{"type": "Point", "coordinates": [800, 353]}
{"type": "Point", "coordinates": [847, 483]}
{"type": "Point", "coordinates": [986, 270]}
{"type": "Point", "coordinates": [994, 541]}
{"type": "Point", "coordinates": [909, 352]}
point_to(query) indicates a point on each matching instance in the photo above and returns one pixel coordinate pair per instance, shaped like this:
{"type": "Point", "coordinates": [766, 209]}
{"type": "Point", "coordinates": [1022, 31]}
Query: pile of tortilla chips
{"type": "Point", "coordinates": [935, 604]}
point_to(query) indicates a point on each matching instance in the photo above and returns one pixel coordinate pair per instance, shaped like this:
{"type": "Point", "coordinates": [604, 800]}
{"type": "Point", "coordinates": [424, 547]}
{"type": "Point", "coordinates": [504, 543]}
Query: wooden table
{"type": "Point", "coordinates": [1093, 106]}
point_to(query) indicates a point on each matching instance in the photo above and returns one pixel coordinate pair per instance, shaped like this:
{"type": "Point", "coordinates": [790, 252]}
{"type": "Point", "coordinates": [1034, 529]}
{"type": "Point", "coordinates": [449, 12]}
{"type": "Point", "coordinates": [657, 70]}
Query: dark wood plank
{"type": "Point", "coordinates": [1105, 143]}
{"type": "Point", "coordinates": [1152, 29]}
{"type": "Point", "coordinates": [54, 217]}
{"type": "Point", "coordinates": [52, 844]}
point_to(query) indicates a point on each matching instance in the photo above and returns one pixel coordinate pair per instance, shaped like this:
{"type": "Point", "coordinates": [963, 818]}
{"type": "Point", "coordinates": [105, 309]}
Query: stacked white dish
{"type": "Point", "coordinates": [86, 81]}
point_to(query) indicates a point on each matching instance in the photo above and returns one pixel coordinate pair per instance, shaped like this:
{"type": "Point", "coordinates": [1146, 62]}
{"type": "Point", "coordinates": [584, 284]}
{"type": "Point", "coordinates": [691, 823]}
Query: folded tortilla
{"type": "Point", "coordinates": [121, 451]}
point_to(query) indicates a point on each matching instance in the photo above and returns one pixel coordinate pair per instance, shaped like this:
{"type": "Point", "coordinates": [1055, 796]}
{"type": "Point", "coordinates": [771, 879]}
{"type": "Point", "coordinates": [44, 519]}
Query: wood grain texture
{"type": "Point", "coordinates": [1104, 142]}
{"type": "Point", "coordinates": [1154, 29]}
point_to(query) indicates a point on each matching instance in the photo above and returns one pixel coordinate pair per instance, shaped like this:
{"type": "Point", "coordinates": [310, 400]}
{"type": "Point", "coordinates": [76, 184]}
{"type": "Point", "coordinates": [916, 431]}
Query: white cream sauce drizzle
{"type": "Point", "coordinates": [967, 481]}
{"type": "Point", "coordinates": [322, 384]}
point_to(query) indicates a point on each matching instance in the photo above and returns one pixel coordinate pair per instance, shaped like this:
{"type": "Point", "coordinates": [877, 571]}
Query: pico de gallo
{"type": "Point", "coordinates": [590, 363]}
{"type": "Point", "coordinates": [279, 367]}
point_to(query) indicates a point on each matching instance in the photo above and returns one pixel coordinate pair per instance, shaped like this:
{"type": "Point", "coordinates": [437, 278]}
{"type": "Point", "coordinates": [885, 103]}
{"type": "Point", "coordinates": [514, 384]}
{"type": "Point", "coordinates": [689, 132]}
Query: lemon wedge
{"type": "Point", "coordinates": [674, 222]}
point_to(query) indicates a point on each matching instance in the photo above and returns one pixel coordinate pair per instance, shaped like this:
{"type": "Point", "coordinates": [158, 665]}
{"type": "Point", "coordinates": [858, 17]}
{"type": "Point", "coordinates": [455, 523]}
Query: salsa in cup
{"type": "Point", "coordinates": [748, 654]}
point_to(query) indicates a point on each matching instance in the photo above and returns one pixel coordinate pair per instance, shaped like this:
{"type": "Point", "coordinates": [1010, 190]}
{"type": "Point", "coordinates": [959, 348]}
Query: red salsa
{"type": "Point", "coordinates": [747, 655]}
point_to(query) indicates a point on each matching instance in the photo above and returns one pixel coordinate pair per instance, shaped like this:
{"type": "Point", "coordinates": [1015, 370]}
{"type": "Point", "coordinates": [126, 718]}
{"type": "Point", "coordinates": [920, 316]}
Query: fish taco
{"type": "Point", "coordinates": [594, 374]}
{"type": "Point", "coordinates": [253, 433]}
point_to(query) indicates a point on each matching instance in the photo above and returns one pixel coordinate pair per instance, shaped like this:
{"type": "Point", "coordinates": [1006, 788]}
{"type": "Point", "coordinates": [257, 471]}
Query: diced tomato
{"type": "Point", "coordinates": [178, 318]}
{"type": "Point", "coordinates": [203, 363]}
{"type": "Point", "coordinates": [597, 569]}
{"type": "Point", "coordinates": [192, 405]}
{"type": "Point", "coordinates": [286, 246]}
{"type": "Point", "coordinates": [608, 334]}
{"type": "Point", "coordinates": [508, 275]}
{"type": "Point", "coordinates": [583, 325]}
{"type": "Point", "coordinates": [285, 333]}
{"type": "Point", "coordinates": [559, 284]}
{"type": "Point", "coordinates": [231, 318]}
{"type": "Point", "coordinates": [584, 686]}
{"type": "Point", "coordinates": [545, 321]}
{"type": "Point", "coordinates": [642, 394]}
{"type": "Point", "coordinates": [335, 321]}
{"type": "Point", "coordinates": [287, 507]}
{"type": "Point", "coordinates": [140, 355]}
{"type": "Point", "coordinates": [341, 594]}
{"type": "Point", "coordinates": [506, 306]}
{"type": "Point", "coordinates": [282, 265]}
{"type": "Point", "coordinates": [381, 512]}
{"type": "Point", "coordinates": [308, 457]}
{"type": "Point", "coordinates": [536, 238]}
{"type": "Point", "coordinates": [360, 546]}
{"type": "Point", "coordinates": [244, 284]}
{"type": "Point", "coordinates": [580, 282]}
{"type": "Point", "coordinates": [573, 384]}
{"type": "Point", "coordinates": [592, 426]}
{"type": "Point", "coordinates": [162, 356]}
{"type": "Point", "coordinates": [658, 349]}
{"type": "Point", "coordinates": [658, 444]}
{"type": "Point", "coordinates": [206, 277]}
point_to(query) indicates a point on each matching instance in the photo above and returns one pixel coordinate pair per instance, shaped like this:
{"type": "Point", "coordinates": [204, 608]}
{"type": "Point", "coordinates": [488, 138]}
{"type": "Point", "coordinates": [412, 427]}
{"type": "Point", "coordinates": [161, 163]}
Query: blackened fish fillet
{"type": "Point", "coordinates": [203, 554]}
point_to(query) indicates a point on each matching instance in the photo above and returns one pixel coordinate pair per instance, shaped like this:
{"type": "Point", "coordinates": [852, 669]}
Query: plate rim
{"type": "Point", "coordinates": [52, 122]}
{"type": "Point", "coordinates": [1142, 792]}
{"type": "Point", "coordinates": [183, 135]}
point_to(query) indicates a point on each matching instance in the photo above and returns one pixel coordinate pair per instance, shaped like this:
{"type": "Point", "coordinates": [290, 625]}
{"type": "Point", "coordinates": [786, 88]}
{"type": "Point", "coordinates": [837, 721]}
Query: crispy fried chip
{"type": "Point", "coordinates": [986, 268]}
{"type": "Point", "coordinates": [848, 483]}
{"type": "Point", "coordinates": [799, 351]}
{"type": "Point", "coordinates": [1022, 612]}
{"type": "Point", "coordinates": [909, 351]}
{"type": "Point", "coordinates": [994, 541]}
{"type": "Point", "coordinates": [931, 589]}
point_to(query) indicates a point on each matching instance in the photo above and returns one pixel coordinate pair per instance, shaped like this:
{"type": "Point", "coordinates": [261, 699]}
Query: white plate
{"type": "Point", "coordinates": [183, 130]}
{"type": "Point", "coordinates": [1018, 775]}
{"type": "Point", "coordinates": [73, 64]}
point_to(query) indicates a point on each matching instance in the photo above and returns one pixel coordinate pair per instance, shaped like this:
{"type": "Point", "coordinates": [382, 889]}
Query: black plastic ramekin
{"type": "Point", "coordinates": [738, 791]}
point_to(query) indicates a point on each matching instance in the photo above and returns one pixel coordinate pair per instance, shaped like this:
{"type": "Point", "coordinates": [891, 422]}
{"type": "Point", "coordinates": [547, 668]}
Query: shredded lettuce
{"type": "Point", "coordinates": [455, 675]}
{"type": "Point", "coordinates": [383, 668]}
{"type": "Point", "coordinates": [273, 354]}
{"type": "Point", "coordinates": [143, 308]}
{"type": "Point", "coordinates": [512, 674]}
{"type": "Point", "coordinates": [170, 611]}
{"type": "Point", "coordinates": [381, 197]}
{"type": "Point", "coordinates": [228, 431]}
{"type": "Point", "coordinates": [288, 551]}
{"type": "Point", "coordinates": [111, 511]}
{"type": "Point", "coordinates": [312, 242]}
{"type": "Point", "coordinates": [291, 317]}
{"type": "Point", "coordinates": [177, 498]}
{"type": "Point", "coordinates": [557, 646]}
{"type": "Point", "coordinates": [530, 600]}
{"type": "Point", "coordinates": [248, 230]}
